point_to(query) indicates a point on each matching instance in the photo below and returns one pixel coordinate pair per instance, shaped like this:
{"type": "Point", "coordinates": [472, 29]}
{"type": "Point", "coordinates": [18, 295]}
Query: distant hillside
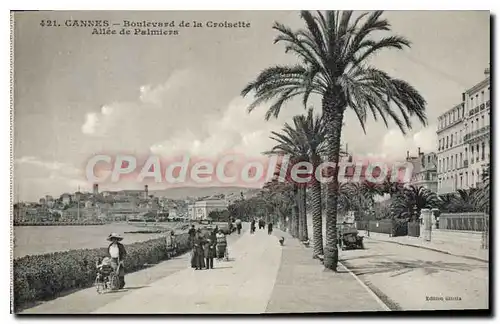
{"type": "Point", "coordinates": [181, 193]}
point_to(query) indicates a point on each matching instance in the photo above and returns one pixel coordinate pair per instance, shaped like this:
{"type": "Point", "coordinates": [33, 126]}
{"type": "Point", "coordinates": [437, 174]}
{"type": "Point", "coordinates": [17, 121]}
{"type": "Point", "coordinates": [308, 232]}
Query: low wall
{"type": "Point", "coordinates": [45, 276]}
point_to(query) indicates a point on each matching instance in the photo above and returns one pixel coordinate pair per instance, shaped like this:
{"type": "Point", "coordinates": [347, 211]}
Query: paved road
{"type": "Point", "coordinates": [408, 278]}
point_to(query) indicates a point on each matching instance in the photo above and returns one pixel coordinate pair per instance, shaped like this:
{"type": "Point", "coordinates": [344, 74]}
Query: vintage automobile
{"type": "Point", "coordinates": [350, 239]}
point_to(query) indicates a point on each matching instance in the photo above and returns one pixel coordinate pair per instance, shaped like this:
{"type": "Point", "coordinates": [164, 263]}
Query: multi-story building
{"type": "Point", "coordinates": [451, 155]}
{"type": "Point", "coordinates": [477, 130]}
{"type": "Point", "coordinates": [424, 170]}
{"type": "Point", "coordinates": [464, 140]}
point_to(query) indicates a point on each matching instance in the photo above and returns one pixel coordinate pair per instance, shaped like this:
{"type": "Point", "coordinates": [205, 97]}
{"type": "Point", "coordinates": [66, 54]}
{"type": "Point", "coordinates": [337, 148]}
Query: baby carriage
{"type": "Point", "coordinates": [107, 276]}
{"type": "Point", "coordinates": [221, 248]}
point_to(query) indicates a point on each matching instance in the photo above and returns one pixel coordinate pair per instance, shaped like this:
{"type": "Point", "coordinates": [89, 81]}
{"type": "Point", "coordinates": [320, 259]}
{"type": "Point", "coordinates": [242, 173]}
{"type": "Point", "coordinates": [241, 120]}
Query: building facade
{"type": "Point", "coordinates": [201, 209]}
{"type": "Point", "coordinates": [451, 155]}
{"type": "Point", "coordinates": [477, 131]}
{"type": "Point", "coordinates": [424, 170]}
{"type": "Point", "coordinates": [464, 140]}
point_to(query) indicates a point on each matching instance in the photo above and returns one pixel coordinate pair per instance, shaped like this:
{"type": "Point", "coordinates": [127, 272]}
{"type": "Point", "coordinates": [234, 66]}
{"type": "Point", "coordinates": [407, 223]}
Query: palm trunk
{"type": "Point", "coordinates": [302, 213]}
{"type": "Point", "coordinates": [295, 212]}
{"type": "Point", "coordinates": [317, 217]}
{"type": "Point", "coordinates": [333, 109]}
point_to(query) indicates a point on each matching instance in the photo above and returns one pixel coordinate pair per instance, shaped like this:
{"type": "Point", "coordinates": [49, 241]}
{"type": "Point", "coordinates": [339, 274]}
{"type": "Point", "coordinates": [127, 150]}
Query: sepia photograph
{"type": "Point", "coordinates": [250, 162]}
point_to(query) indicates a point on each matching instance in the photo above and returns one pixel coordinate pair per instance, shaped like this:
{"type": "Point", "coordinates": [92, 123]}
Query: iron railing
{"type": "Point", "coordinates": [477, 222]}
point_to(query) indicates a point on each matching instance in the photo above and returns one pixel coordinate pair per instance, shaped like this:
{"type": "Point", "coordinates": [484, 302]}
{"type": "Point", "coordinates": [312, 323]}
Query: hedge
{"type": "Point", "coordinates": [45, 276]}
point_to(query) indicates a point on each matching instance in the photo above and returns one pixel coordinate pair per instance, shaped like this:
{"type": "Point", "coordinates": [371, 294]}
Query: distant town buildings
{"type": "Point", "coordinates": [201, 209]}
{"type": "Point", "coordinates": [464, 140]}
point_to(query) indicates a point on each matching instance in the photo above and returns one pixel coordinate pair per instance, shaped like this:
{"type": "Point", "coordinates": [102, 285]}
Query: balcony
{"type": "Point", "coordinates": [487, 104]}
{"type": "Point", "coordinates": [476, 133]}
{"type": "Point", "coordinates": [482, 107]}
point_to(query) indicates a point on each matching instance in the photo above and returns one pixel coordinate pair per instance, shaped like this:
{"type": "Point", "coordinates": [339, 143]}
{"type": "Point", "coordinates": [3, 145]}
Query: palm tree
{"type": "Point", "coordinates": [465, 200]}
{"type": "Point", "coordinates": [392, 188]}
{"type": "Point", "coordinates": [412, 201]}
{"type": "Point", "coordinates": [482, 198]}
{"type": "Point", "coordinates": [292, 142]}
{"type": "Point", "coordinates": [334, 52]}
{"type": "Point", "coordinates": [314, 133]}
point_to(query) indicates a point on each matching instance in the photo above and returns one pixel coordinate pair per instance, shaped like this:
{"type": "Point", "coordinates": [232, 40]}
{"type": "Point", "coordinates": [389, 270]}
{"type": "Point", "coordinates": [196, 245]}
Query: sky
{"type": "Point", "coordinates": [78, 94]}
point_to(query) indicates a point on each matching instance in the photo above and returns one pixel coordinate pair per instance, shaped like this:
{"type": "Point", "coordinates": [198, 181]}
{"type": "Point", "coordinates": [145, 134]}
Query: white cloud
{"type": "Point", "coordinates": [395, 145]}
{"type": "Point", "coordinates": [236, 131]}
{"type": "Point", "coordinates": [51, 166]}
{"type": "Point", "coordinates": [118, 118]}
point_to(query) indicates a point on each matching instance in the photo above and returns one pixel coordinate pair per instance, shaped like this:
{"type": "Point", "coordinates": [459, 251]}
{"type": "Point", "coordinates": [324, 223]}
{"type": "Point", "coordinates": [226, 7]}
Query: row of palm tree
{"type": "Point", "coordinates": [334, 51]}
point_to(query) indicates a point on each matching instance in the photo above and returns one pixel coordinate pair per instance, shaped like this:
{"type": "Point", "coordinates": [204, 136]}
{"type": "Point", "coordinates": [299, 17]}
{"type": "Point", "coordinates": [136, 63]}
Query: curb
{"type": "Point", "coordinates": [432, 249]}
{"type": "Point", "coordinates": [368, 289]}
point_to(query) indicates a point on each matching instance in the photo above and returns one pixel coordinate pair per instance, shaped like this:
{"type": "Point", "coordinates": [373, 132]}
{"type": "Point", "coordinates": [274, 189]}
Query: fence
{"type": "Point", "coordinates": [397, 227]}
{"type": "Point", "coordinates": [478, 222]}
{"type": "Point", "coordinates": [414, 229]}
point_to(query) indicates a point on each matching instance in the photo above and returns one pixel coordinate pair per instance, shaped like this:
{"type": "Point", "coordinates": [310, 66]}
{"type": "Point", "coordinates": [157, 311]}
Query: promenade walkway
{"type": "Point", "coordinates": [241, 286]}
{"type": "Point", "coordinates": [261, 277]}
{"type": "Point", "coordinates": [303, 285]}
{"type": "Point", "coordinates": [468, 246]}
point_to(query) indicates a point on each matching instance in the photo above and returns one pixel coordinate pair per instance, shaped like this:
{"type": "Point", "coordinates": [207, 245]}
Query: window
{"type": "Point", "coordinates": [446, 141]}
{"type": "Point", "coordinates": [451, 162]}
{"type": "Point", "coordinates": [439, 165]}
{"type": "Point", "coordinates": [482, 151]}
{"type": "Point", "coordinates": [456, 161]}
{"type": "Point", "coordinates": [451, 140]}
{"type": "Point", "coordinates": [461, 182]}
{"type": "Point", "coordinates": [482, 96]}
{"type": "Point", "coordinates": [461, 161]}
{"type": "Point", "coordinates": [482, 120]}
{"type": "Point", "coordinates": [472, 126]}
{"type": "Point", "coordinates": [447, 164]}
{"type": "Point", "coordinates": [456, 138]}
{"type": "Point", "coordinates": [472, 154]}
{"type": "Point", "coordinates": [477, 100]}
{"type": "Point", "coordinates": [477, 152]}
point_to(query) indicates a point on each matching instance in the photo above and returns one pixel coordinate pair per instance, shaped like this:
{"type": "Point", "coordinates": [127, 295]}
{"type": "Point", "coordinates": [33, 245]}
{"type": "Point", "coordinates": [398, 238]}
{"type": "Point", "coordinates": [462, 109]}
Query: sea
{"type": "Point", "coordinates": [30, 240]}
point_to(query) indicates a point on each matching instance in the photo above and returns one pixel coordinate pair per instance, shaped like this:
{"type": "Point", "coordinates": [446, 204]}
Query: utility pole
{"type": "Point", "coordinates": [78, 202]}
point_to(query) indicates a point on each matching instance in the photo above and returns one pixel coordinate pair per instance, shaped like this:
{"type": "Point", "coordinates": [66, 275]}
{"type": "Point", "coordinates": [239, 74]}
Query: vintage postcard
{"type": "Point", "coordinates": [250, 162]}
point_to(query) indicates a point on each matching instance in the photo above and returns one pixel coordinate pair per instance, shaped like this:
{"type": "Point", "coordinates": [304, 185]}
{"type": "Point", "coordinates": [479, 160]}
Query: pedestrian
{"type": "Point", "coordinates": [171, 244]}
{"type": "Point", "coordinates": [198, 261]}
{"type": "Point", "coordinates": [270, 228]}
{"type": "Point", "coordinates": [238, 225]}
{"type": "Point", "coordinates": [213, 234]}
{"type": "Point", "coordinates": [221, 245]}
{"type": "Point", "coordinates": [117, 253]}
{"type": "Point", "coordinates": [209, 253]}
{"type": "Point", "coordinates": [192, 234]}
{"type": "Point", "coordinates": [262, 224]}
{"type": "Point", "coordinates": [252, 226]}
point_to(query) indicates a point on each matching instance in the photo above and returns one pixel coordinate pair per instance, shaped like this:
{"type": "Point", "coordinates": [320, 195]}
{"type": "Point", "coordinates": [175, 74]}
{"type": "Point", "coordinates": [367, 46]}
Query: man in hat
{"type": "Point", "coordinates": [117, 253]}
{"type": "Point", "coordinates": [198, 258]}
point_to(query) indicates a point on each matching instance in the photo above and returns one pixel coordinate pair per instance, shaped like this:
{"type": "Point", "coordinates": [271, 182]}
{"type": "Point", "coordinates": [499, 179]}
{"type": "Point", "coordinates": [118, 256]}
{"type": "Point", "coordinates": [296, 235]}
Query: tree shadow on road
{"type": "Point", "coordinates": [398, 268]}
{"type": "Point", "coordinates": [370, 256]}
